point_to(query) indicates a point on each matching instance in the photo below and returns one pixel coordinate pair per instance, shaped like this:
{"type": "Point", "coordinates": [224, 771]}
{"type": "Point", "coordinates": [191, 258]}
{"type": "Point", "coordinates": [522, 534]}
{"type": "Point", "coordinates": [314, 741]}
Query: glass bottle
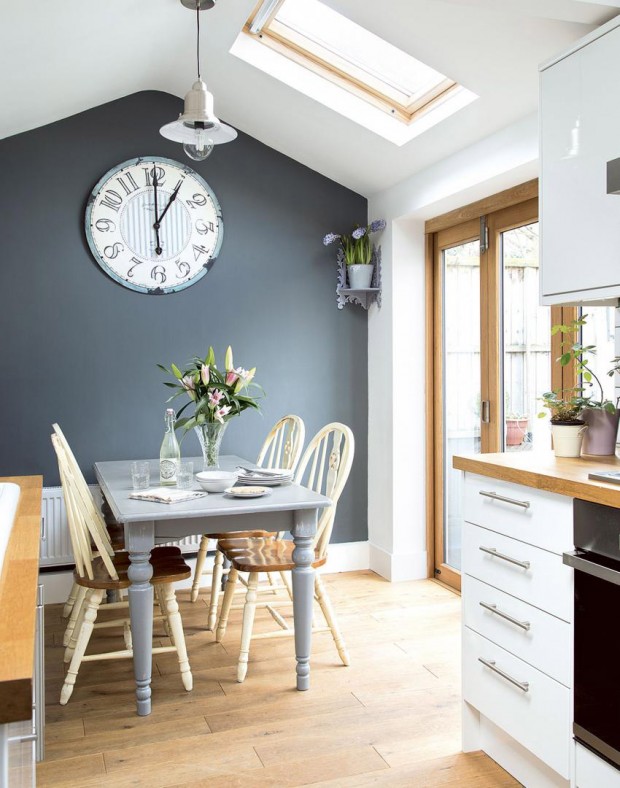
{"type": "Point", "coordinates": [170, 453]}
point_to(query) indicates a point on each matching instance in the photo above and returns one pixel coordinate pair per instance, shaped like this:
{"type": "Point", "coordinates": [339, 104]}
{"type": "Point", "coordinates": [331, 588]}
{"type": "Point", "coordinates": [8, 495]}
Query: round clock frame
{"type": "Point", "coordinates": [154, 225]}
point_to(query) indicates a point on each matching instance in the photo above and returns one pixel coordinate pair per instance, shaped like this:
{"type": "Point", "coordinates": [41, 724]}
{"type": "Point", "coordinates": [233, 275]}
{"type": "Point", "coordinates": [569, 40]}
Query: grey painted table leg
{"type": "Point", "coordinates": [141, 539]}
{"type": "Point", "coordinates": [303, 531]}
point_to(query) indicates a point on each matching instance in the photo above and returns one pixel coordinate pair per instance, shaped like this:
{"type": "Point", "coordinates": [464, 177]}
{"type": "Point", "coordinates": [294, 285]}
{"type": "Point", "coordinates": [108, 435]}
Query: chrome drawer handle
{"type": "Point", "coordinates": [490, 663]}
{"type": "Point", "coordinates": [515, 561]}
{"type": "Point", "coordinates": [513, 501]}
{"type": "Point", "coordinates": [494, 609]}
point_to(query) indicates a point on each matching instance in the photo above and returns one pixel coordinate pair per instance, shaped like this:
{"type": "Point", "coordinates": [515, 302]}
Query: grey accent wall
{"type": "Point", "coordinates": [79, 349]}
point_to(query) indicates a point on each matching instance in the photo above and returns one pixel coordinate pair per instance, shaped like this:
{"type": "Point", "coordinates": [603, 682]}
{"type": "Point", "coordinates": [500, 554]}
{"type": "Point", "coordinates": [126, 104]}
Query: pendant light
{"type": "Point", "coordinates": [197, 128]}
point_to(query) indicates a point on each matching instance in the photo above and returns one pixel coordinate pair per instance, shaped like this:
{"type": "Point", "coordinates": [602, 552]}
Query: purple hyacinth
{"type": "Point", "coordinates": [378, 224]}
{"type": "Point", "coordinates": [358, 232]}
{"type": "Point", "coordinates": [330, 238]}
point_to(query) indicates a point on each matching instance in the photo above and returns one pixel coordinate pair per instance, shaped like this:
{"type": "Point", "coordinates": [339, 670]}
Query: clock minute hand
{"type": "Point", "coordinates": [158, 249]}
{"type": "Point", "coordinates": [173, 197]}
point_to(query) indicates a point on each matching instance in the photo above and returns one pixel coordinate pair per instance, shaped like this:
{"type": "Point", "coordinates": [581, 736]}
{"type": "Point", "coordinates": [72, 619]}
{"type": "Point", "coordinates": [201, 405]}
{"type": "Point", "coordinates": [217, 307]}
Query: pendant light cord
{"type": "Point", "coordinates": [198, 37]}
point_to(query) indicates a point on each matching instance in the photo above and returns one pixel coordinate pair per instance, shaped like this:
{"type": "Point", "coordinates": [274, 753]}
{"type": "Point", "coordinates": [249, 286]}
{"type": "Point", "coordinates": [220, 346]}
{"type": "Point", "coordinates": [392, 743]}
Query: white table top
{"type": "Point", "coordinates": [114, 478]}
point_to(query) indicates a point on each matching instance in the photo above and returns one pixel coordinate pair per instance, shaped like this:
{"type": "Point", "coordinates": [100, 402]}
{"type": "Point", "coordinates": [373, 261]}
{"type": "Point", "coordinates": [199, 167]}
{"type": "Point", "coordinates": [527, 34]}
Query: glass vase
{"type": "Point", "coordinates": [210, 437]}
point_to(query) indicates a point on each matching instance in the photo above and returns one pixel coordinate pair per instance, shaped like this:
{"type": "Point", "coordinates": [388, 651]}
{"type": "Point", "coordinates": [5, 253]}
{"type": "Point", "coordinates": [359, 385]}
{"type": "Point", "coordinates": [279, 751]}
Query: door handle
{"type": "Point", "coordinates": [485, 411]}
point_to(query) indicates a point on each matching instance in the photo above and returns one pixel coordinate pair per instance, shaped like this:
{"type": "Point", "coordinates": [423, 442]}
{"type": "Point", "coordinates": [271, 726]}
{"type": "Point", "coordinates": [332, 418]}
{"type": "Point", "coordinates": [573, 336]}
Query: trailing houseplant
{"type": "Point", "coordinates": [217, 397]}
{"type": "Point", "coordinates": [357, 250]}
{"type": "Point", "coordinates": [599, 413]}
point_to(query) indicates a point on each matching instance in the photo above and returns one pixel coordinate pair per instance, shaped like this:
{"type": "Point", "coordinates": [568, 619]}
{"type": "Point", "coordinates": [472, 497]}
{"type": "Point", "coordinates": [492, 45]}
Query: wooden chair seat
{"type": "Point", "coordinates": [247, 555]}
{"type": "Point", "coordinates": [167, 571]}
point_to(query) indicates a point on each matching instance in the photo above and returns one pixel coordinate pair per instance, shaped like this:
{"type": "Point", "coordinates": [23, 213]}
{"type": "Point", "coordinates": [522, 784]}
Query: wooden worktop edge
{"type": "Point", "coordinates": [567, 478]}
{"type": "Point", "coordinates": [18, 599]}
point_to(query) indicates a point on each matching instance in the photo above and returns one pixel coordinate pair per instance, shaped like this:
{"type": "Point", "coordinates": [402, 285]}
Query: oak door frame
{"type": "Point", "coordinates": [512, 210]}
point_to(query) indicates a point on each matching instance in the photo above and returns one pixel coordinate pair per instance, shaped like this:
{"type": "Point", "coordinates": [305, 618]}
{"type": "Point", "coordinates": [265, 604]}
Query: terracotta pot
{"type": "Point", "coordinates": [516, 430]}
{"type": "Point", "coordinates": [602, 432]}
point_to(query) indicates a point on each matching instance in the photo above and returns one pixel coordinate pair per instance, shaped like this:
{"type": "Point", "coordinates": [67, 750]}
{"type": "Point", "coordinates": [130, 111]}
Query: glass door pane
{"type": "Point", "coordinates": [526, 341]}
{"type": "Point", "coordinates": [461, 378]}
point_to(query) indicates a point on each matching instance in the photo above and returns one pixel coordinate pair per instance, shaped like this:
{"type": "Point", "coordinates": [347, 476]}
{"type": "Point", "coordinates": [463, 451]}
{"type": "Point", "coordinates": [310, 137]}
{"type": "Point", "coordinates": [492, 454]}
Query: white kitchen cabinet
{"type": "Point", "coordinates": [517, 629]}
{"type": "Point", "coordinates": [579, 134]}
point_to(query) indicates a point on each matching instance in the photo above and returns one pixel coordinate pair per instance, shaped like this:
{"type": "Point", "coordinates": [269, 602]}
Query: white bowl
{"type": "Point", "coordinates": [216, 481]}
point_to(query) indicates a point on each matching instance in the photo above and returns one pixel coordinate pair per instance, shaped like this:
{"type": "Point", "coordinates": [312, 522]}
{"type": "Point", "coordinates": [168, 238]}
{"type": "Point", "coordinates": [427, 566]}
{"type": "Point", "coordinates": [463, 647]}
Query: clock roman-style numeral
{"type": "Point", "coordinates": [135, 262]}
{"type": "Point", "coordinates": [128, 183]}
{"type": "Point", "coordinates": [202, 227]}
{"type": "Point", "coordinates": [112, 200]}
{"type": "Point", "coordinates": [197, 201]}
{"type": "Point", "coordinates": [150, 171]}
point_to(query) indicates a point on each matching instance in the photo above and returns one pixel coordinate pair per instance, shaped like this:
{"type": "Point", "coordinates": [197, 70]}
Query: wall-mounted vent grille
{"type": "Point", "coordinates": [55, 540]}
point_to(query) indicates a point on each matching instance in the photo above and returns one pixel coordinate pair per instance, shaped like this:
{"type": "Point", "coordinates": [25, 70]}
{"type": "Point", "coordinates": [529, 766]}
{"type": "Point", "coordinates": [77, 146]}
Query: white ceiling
{"type": "Point", "coordinates": [62, 58]}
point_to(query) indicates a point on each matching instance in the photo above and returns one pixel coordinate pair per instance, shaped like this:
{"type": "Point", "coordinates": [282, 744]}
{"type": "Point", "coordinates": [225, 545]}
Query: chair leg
{"type": "Point", "coordinates": [249, 610]}
{"type": "Point", "coordinates": [328, 612]}
{"type": "Point", "coordinates": [159, 596]}
{"type": "Point", "coordinates": [75, 633]}
{"type": "Point", "coordinates": [200, 563]}
{"type": "Point", "coordinates": [127, 636]}
{"type": "Point", "coordinates": [178, 636]}
{"type": "Point", "coordinates": [92, 602]}
{"type": "Point", "coordinates": [74, 613]}
{"type": "Point", "coordinates": [227, 602]}
{"type": "Point", "coordinates": [216, 581]}
{"type": "Point", "coordinates": [66, 611]}
{"type": "Point", "coordinates": [286, 579]}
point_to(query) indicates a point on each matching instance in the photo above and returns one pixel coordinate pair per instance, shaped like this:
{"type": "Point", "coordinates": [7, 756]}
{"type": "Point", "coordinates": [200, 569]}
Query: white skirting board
{"type": "Point", "coordinates": [396, 568]}
{"type": "Point", "coordinates": [345, 557]}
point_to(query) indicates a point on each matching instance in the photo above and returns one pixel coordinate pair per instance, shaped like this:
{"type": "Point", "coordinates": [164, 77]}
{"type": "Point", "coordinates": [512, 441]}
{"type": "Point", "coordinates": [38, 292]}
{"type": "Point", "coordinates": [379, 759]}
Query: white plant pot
{"type": "Point", "coordinates": [360, 276]}
{"type": "Point", "coordinates": [567, 439]}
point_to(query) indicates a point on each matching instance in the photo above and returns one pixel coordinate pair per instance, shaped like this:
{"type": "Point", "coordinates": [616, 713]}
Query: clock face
{"type": "Point", "coordinates": [154, 225]}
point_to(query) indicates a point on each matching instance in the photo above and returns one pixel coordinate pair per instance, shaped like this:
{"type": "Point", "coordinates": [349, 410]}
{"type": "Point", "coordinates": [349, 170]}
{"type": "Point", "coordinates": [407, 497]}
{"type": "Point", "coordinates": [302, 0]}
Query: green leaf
{"type": "Point", "coordinates": [565, 359]}
{"type": "Point", "coordinates": [164, 369]}
{"type": "Point", "coordinates": [171, 385]}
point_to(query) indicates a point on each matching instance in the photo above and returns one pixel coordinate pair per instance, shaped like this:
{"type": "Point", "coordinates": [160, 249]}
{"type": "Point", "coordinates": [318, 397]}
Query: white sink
{"type": "Point", "coordinates": [9, 497]}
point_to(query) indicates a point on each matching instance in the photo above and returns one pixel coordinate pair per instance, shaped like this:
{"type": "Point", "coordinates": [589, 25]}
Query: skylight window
{"type": "Point", "coordinates": [314, 37]}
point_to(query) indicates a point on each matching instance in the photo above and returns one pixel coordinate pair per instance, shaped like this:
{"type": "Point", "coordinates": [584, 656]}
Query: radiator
{"type": "Point", "coordinates": [55, 540]}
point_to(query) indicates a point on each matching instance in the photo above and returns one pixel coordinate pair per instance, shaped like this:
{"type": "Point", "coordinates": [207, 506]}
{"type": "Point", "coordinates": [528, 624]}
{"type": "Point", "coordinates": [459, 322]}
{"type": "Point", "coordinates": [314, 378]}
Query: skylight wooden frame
{"type": "Point", "coordinates": [303, 55]}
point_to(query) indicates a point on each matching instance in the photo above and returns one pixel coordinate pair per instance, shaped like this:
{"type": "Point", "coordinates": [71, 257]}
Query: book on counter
{"type": "Point", "coordinates": [166, 495]}
{"type": "Point", "coordinates": [613, 477]}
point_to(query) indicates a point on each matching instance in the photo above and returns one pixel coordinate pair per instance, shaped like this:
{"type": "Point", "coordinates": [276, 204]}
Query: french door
{"type": "Point", "coordinates": [492, 356]}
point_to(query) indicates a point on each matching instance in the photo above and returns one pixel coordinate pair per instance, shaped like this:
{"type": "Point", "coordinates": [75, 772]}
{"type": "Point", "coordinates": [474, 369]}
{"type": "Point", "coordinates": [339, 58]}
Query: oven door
{"type": "Point", "coordinates": [597, 653]}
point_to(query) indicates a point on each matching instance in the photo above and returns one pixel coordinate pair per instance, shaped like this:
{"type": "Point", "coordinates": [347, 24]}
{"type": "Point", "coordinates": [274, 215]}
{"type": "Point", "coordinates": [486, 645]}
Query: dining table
{"type": "Point", "coordinates": [289, 507]}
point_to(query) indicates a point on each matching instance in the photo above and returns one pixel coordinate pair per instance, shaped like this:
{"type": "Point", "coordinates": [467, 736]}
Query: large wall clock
{"type": "Point", "coordinates": [154, 225]}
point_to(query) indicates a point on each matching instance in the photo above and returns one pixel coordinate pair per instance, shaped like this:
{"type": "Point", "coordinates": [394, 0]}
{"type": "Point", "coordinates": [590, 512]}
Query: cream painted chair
{"type": "Point", "coordinates": [282, 449]}
{"type": "Point", "coordinates": [104, 570]}
{"type": "Point", "coordinates": [324, 469]}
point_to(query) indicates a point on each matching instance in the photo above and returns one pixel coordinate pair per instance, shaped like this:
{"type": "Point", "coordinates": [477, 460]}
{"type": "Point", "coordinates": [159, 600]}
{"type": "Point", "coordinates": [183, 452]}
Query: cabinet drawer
{"type": "Point", "coordinates": [542, 640]}
{"type": "Point", "coordinates": [537, 714]}
{"type": "Point", "coordinates": [546, 522]}
{"type": "Point", "coordinates": [593, 772]}
{"type": "Point", "coordinates": [540, 578]}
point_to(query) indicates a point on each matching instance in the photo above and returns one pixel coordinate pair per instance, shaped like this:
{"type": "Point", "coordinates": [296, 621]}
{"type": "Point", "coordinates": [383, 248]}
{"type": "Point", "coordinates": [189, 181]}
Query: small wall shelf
{"type": "Point", "coordinates": [345, 295]}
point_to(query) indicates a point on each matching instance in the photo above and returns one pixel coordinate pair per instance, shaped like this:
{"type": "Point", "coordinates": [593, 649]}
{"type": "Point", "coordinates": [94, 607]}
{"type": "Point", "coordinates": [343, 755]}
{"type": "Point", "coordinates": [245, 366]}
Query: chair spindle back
{"type": "Point", "coordinates": [283, 446]}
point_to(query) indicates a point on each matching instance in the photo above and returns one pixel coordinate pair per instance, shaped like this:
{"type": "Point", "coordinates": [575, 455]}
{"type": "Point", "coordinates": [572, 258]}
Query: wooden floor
{"type": "Point", "coordinates": [391, 718]}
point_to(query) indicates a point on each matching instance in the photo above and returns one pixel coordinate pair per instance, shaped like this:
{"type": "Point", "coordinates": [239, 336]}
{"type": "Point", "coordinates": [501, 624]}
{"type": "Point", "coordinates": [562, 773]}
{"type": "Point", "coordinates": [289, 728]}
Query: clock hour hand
{"type": "Point", "coordinates": [158, 249]}
{"type": "Point", "coordinates": [173, 197]}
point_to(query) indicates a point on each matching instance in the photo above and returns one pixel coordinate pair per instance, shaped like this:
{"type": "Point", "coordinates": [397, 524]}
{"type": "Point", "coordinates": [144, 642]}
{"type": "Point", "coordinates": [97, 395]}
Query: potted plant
{"type": "Point", "coordinates": [600, 414]}
{"type": "Point", "coordinates": [567, 426]}
{"type": "Point", "coordinates": [357, 251]}
{"type": "Point", "coordinates": [516, 429]}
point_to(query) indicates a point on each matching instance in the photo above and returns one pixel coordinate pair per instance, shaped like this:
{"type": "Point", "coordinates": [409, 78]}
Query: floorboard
{"type": "Point", "coordinates": [392, 718]}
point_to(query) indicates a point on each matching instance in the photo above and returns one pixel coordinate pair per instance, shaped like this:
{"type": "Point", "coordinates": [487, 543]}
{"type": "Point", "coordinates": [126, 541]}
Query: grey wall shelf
{"type": "Point", "coordinates": [345, 295]}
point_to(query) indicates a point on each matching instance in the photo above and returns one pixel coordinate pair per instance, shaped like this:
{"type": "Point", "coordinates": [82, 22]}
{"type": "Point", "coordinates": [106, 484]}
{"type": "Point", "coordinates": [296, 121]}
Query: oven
{"type": "Point", "coordinates": [596, 560]}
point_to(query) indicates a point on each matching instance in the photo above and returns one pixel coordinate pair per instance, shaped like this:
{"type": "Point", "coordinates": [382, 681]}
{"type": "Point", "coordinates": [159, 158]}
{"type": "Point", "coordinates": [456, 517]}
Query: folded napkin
{"type": "Point", "coordinates": [166, 495]}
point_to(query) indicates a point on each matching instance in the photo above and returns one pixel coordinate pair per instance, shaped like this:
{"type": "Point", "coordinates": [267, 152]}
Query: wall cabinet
{"type": "Point", "coordinates": [579, 135]}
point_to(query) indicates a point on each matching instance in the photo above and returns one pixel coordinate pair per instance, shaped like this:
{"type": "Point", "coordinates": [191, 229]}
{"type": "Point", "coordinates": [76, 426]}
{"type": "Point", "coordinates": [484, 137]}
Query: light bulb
{"type": "Point", "coordinates": [201, 147]}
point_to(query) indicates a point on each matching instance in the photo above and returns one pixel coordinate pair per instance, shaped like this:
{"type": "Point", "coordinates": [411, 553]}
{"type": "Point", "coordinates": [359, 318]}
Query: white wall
{"type": "Point", "coordinates": [397, 389]}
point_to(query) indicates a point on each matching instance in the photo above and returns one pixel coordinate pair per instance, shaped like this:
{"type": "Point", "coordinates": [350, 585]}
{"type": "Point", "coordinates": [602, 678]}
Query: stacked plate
{"type": "Point", "coordinates": [271, 477]}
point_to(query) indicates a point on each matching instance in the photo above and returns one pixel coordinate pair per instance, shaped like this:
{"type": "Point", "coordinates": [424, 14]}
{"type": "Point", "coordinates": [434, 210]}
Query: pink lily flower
{"type": "Point", "coordinates": [231, 377]}
{"type": "Point", "coordinates": [215, 397]}
{"type": "Point", "coordinates": [188, 384]}
{"type": "Point", "coordinates": [205, 374]}
{"type": "Point", "coordinates": [221, 412]}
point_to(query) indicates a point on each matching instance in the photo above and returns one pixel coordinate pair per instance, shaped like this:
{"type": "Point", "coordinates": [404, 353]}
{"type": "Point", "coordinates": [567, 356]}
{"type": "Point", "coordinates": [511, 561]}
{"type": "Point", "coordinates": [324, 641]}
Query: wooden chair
{"type": "Point", "coordinates": [282, 449]}
{"type": "Point", "coordinates": [97, 573]}
{"type": "Point", "coordinates": [324, 470]}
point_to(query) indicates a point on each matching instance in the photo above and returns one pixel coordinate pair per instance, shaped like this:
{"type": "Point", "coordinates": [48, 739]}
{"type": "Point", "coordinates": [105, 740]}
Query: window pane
{"type": "Point", "coordinates": [461, 374]}
{"type": "Point", "coordinates": [527, 341]}
{"type": "Point", "coordinates": [600, 330]}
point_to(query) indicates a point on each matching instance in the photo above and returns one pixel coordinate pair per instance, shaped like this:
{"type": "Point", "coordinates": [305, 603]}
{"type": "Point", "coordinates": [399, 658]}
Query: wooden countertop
{"type": "Point", "coordinates": [18, 600]}
{"type": "Point", "coordinates": [545, 471]}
